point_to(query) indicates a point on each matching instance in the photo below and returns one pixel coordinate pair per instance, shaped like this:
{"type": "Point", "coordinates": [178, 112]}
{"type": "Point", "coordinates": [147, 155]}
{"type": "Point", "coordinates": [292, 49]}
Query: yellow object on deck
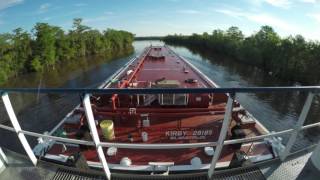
{"type": "Point", "coordinates": [107, 129]}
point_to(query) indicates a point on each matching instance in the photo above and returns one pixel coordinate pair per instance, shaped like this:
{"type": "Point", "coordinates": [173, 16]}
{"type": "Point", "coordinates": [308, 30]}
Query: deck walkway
{"type": "Point", "coordinates": [296, 167]}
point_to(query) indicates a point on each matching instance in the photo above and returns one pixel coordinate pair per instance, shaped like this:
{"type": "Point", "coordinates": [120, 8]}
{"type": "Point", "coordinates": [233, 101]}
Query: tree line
{"type": "Point", "coordinates": [291, 58]}
{"type": "Point", "coordinates": [47, 45]}
{"type": "Point", "coordinates": [145, 38]}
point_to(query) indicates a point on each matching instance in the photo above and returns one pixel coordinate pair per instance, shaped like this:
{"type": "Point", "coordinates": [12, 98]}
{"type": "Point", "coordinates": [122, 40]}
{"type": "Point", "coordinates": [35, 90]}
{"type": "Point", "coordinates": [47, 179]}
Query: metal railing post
{"type": "Point", "coordinates": [222, 136]}
{"type": "Point", "coordinates": [3, 157]}
{"type": "Point", "coordinates": [297, 127]}
{"type": "Point", "coordinates": [315, 157]}
{"type": "Point", "coordinates": [17, 128]}
{"type": "Point", "coordinates": [95, 136]}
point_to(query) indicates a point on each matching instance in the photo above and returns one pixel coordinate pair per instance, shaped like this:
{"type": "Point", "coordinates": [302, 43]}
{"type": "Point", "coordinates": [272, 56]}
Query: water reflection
{"type": "Point", "coordinates": [42, 112]}
{"type": "Point", "coordinates": [277, 111]}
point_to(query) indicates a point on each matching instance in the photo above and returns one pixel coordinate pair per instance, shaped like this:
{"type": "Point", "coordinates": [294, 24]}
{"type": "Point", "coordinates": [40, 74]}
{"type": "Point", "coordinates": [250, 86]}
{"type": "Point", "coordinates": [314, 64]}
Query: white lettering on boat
{"type": "Point", "coordinates": [176, 133]}
{"type": "Point", "coordinates": [188, 134]}
{"type": "Point", "coordinates": [202, 133]}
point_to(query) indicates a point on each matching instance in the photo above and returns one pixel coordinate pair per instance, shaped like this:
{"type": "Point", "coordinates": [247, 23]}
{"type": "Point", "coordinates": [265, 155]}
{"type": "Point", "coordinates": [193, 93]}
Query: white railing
{"type": "Point", "coordinates": [17, 128]}
{"type": "Point", "coordinates": [95, 135]}
{"type": "Point", "coordinates": [96, 141]}
{"type": "Point", "coordinates": [222, 136]}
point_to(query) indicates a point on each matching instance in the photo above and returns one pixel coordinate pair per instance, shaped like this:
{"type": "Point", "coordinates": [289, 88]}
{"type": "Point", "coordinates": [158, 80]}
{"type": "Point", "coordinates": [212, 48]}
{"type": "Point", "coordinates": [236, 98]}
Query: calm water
{"type": "Point", "coordinates": [41, 113]}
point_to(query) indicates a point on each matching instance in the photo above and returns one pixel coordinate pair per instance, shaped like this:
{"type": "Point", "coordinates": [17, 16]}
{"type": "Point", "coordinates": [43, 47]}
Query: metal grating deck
{"type": "Point", "coordinates": [63, 174]}
{"type": "Point", "coordinates": [296, 167]}
{"type": "Point", "coordinates": [290, 169]}
{"type": "Point", "coordinates": [245, 174]}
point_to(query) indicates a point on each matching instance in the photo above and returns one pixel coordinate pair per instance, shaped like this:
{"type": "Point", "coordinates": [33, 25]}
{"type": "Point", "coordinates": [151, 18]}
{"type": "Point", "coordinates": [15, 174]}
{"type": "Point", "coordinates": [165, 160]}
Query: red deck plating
{"type": "Point", "coordinates": [179, 118]}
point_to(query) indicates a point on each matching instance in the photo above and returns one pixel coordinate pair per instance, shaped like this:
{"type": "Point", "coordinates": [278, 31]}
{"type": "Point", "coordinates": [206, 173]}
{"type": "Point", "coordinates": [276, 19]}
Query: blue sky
{"type": "Point", "coordinates": [162, 17]}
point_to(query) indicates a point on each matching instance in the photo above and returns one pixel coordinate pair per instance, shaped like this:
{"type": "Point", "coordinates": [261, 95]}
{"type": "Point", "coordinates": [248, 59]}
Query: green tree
{"type": "Point", "coordinates": [64, 49]}
{"type": "Point", "coordinates": [21, 49]}
{"type": "Point", "coordinates": [45, 43]}
{"type": "Point", "coordinates": [78, 41]}
{"type": "Point", "coordinates": [21, 53]}
{"type": "Point", "coordinates": [291, 58]}
{"type": "Point", "coordinates": [36, 64]}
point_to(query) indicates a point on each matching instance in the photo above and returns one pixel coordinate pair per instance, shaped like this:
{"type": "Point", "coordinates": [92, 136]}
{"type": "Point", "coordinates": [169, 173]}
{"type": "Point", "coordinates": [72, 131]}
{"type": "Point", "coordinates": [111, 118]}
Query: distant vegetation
{"type": "Point", "coordinates": [291, 58]}
{"type": "Point", "coordinates": [47, 45]}
{"type": "Point", "coordinates": [148, 38]}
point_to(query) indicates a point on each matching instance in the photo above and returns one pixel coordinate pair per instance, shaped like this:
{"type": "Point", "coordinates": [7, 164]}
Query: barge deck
{"type": "Point", "coordinates": [159, 119]}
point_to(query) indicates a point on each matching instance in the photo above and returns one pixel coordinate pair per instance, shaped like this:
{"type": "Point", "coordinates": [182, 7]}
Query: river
{"type": "Point", "coordinates": [41, 113]}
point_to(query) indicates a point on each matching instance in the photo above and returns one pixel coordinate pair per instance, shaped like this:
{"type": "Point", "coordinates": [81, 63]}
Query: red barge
{"type": "Point", "coordinates": [157, 119]}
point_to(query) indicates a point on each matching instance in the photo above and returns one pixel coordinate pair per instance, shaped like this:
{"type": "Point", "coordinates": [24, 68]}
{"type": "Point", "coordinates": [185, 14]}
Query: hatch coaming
{"type": "Point", "coordinates": [171, 68]}
{"type": "Point", "coordinates": [145, 70]}
{"type": "Point", "coordinates": [171, 71]}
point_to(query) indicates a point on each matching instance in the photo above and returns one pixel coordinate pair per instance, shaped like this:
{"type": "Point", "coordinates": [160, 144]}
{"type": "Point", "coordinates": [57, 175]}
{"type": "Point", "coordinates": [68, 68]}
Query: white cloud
{"type": "Point", "coordinates": [47, 18]}
{"type": "Point", "coordinates": [8, 3]}
{"type": "Point", "coordinates": [1, 19]}
{"type": "Point", "coordinates": [188, 11]}
{"type": "Point", "coordinates": [145, 22]}
{"type": "Point", "coordinates": [259, 18]}
{"type": "Point", "coordinates": [315, 16]}
{"type": "Point", "coordinates": [174, 0]}
{"type": "Point", "coordinates": [266, 19]}
{"type": "Point", "coordinates": [285, 4]}
{"type": "Point", "coordinates": [80, 4]}
{"type": "Point", "coordinates": [44, 8]}
{"type": "Point", "coordinates": [254, 2]}
{"type": "Point", "coordinates": [99, 19]}
{"type": "Point", "coordinates": [309, 1]}
{"type": "Point", "coordinates": [231, 13]}
{"type": "Point", "coordinates": [283, 27]}
{"type": "Point", "coordinates": [279, 3]}
{"type": "Point", "coordinates": [67, 14]}
{"type": "Point", "coordinates": [95, 20]}
{"type": "Point", "coordinates": [108, 13]}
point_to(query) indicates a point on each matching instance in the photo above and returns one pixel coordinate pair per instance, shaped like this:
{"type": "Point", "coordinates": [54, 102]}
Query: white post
{"type": "Point", "coordinates": [3, 161]}
{"type": "Point", "coordinates": [222, 136]}
{"type": "Point", "coordinates": [297, 127]}
{"type": "Point", "coordinates": [315, 157]}
{"type": "Point", "coordinates": [95, 136]}
{"type": "Point", "coordinates": [17, 128]}
{"type": "Point", "coordinates": [3, 156]}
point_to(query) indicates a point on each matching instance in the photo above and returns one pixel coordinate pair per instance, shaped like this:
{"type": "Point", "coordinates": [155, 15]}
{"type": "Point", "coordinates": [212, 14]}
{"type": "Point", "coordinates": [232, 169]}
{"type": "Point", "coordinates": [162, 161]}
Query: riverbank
{"type": "Point", "coordinates": [291, 59]}
{"type": "Point", "coordinates": [149, 38]}
{"type": "Point", "coordinates": [47, 46]}
{"type": "Point", "coordinates": [63, 72]}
